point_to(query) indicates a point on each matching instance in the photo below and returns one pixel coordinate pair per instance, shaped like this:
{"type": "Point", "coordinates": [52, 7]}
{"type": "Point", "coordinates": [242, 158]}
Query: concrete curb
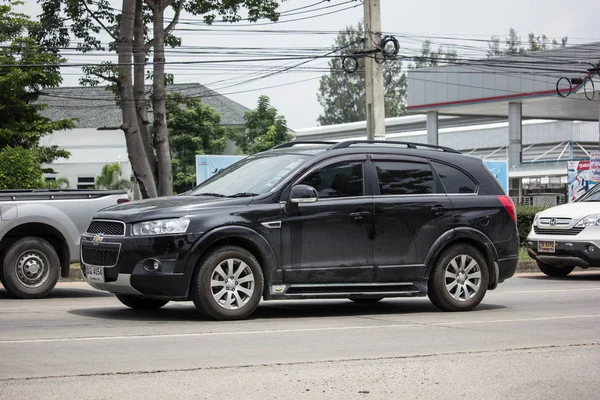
{"type": "Point", "coordinates": [523, 267]}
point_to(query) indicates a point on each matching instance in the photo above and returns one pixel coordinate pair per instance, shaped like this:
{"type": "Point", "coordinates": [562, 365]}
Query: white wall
{"type": "Point", "coordinates": [90, 150]}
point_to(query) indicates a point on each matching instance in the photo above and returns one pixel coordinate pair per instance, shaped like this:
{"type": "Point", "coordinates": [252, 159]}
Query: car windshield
{"type": "Point", "coordinates": [592, 195]}
{"type": "Point", "coordinates": [250, 176]}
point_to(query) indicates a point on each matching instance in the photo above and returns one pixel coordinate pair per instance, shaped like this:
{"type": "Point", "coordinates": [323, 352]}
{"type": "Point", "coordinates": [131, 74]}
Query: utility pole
{"type": "Point", "coordinates": [374, 72]}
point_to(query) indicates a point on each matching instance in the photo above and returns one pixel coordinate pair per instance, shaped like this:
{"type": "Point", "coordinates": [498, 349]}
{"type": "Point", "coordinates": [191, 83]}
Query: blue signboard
{"type": "Point", "coordinates": [500, 170]}
{"type": "Point", "coordinates": [209, 165]}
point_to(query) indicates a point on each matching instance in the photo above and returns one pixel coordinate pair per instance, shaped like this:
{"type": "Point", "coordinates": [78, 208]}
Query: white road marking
{"type": "Point", "coordinates": [283, 331]}
{"type": "Point", "coordinates": [550, 290]}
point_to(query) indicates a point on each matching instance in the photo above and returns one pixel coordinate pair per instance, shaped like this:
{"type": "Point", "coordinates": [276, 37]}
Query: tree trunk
{"type": "Point", "coordinates": [161, 135]}
{"type": "Point", "coordinates": [133, 139]}
{"type": "Point", "coordinates": [139, 88]}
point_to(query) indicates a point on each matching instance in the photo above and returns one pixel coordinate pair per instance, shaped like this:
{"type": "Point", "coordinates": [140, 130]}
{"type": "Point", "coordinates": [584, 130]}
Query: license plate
{"type": "Point", "coordinates": [546, 246]}
{"type": "Point", "coordinates": [94, 274]}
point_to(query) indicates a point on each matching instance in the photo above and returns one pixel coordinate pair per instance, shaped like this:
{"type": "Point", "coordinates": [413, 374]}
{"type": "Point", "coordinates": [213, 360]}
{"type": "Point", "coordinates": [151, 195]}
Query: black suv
{"type": "Point", "coordinates": [361, 220]}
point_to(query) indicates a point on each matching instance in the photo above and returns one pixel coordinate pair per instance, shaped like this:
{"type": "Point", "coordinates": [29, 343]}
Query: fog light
{"type": "Point", "coordinates": [151, 265]}
{"type": "Point", "coordinates": [591, 249]}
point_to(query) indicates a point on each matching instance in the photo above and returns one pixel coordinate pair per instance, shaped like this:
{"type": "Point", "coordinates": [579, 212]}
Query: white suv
{"type": "Point", "coordinates": [567, 236]}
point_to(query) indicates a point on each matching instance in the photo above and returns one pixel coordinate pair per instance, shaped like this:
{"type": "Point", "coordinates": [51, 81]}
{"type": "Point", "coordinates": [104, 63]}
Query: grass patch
{"type": "Point", "coordinates": [523, 256]}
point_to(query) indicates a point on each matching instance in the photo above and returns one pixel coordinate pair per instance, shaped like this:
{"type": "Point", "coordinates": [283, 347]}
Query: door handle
{"type": "Point", "coordinates": [358, 215]}
{"type": "Point", "coordinates": [438, 209]}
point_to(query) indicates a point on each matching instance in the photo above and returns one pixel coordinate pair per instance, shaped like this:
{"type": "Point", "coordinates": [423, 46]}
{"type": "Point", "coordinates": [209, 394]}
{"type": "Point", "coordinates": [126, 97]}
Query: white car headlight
{"type": "Point", "coordinates": [590, 220]}
{"type": "Point", "coordinates": [161, 227]}
{"type": "Point", "coordinates": [536, 219]}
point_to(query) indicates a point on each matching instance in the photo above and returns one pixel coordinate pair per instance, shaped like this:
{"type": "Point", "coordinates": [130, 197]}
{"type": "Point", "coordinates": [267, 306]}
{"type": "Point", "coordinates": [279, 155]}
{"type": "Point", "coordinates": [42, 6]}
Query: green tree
{"type": "Point", "coordinates": [514, 44]}
{"type": "Point", "coordinates": [342, 94]}
{"type": "Point", "coordinates": [19, 169]}
{"type": "Point", "coordinates": [195, 128]}
{"type": "Point", "coordinates": [265, 128]}
{"type": "Point", "coordinates": [58, 183]}
{"type": "Point", "coordinates": [27, 68]}
{"type": "Point", "coordinates": [129, 28]}
{"type": "Point", "coordinates": [432, 58]}
{"type": "Point", "coordinates": [111, 178]}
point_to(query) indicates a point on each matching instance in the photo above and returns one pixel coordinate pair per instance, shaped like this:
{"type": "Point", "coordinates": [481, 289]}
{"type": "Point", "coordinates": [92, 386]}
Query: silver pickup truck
{"type": "Point", "coordinates": [40, 232]}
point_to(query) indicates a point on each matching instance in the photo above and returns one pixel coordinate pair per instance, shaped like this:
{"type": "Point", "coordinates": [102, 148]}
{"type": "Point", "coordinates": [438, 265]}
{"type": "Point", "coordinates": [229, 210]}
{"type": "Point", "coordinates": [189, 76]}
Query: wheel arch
{"type": "Point", "coordinates": [42, 231]}
{"type": "Point", "coordinates": [472, 237]}
{"type": "Point", "coordinates": [240, 236]}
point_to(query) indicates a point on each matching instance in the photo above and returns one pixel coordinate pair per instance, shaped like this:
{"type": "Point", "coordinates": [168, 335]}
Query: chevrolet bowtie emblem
{"type": "Point", "coordinates": [96, 239]}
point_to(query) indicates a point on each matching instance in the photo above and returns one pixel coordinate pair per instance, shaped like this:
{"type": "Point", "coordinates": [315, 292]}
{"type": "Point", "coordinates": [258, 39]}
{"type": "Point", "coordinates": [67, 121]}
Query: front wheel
{"type": "Point", "coordinates": [459, 280]}
{"type": "Point", "coordinates": [551, 270]}
{"type": "Point", "coordinates": [227, 284]}
{"type": "Point", "coordinates": [140, 303]}
{"type": "Point", "coordinates": [31, 268]}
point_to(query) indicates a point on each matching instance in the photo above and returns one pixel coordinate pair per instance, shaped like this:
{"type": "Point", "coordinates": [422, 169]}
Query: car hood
{"type": "Point", "coordinates": [572, 210]}
{"type": "Point", "coordinates": [167, 207]}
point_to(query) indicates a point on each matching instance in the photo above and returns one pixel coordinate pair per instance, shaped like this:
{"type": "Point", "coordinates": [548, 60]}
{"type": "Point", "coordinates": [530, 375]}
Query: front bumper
{"type": "Point", "coordinates": [128, 264]}
{"type": "Point", "coordinates": [568, 253]}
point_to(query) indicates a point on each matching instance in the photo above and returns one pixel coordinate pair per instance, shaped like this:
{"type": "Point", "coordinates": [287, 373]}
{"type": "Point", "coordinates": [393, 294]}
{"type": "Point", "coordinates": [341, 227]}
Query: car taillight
{"type": "Point", "coordinates": [509, 206]}
{"type": "Point", "coordinates": [121, 201]}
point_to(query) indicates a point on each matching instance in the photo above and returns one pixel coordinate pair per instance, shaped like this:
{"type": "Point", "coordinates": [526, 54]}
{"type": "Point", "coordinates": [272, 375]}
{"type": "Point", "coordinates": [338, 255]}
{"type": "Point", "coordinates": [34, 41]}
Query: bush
{"type": "Point", "coordinates": [19, 169]}
{"type": "Point", "coordinates": [525, 216]}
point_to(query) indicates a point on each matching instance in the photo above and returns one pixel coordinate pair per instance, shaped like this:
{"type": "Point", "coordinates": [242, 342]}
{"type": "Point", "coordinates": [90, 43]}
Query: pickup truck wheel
{"type": "Point", "coordinates": [227, 284]}
{"type": "Point", "coordinates": [459, 279]}
{"type": "Point", "coordinates": [31, 268]}
{"type": "Point", "coordinates": [140, 303]}
{"type": "Point", "coordinates": [551, 270]}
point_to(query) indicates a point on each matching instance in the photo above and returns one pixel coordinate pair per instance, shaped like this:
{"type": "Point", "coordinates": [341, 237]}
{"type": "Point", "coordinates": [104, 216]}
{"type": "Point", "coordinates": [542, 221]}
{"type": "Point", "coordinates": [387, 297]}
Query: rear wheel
{"type": "Point", "coordinates": [459, 279]}
{"type": "Point", "coordinates": [140, 303]}
{"type": "Point", "coordinates": [227, 284]}
{"type": "Point", "coordinates": [551, 270]}
{"type": "Point", "coordinates": [30, 268]}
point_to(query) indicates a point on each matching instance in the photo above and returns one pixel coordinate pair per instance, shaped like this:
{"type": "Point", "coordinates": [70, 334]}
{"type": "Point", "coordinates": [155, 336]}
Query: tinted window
{"type": "Point", "coordinates": [454, 181]}
{"type": "Point", "coordinates": [251, 175]}
{"type": "Point", "coordinates": [404, 178]}
{"type": "Point", "coordinates": [337, 180]}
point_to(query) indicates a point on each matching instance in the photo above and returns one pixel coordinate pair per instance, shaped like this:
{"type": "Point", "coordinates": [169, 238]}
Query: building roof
{"type": "Point", "coordinates": [95, 107]}
{"type": "Point", "coordinates": [486, 87]}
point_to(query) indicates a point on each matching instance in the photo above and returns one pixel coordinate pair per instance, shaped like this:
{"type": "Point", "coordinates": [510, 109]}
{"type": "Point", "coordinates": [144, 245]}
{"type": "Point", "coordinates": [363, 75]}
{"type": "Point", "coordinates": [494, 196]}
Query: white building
{"type": "Point", "coordinates": [97, 139]}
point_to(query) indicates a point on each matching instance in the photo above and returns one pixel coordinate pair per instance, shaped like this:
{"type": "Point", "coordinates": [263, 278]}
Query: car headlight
{"type": "Point", "coordinates": [590, 220]}
{"type": "Point", "coordinates": [161, 227]}
{"type": "Point", "coordinates": [536, 219]}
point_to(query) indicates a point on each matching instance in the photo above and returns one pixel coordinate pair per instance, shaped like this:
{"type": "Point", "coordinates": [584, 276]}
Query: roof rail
{"type": "Point", "coordinates": [409, 145]}
{"type": "Point", "coordinates": [295, 142]}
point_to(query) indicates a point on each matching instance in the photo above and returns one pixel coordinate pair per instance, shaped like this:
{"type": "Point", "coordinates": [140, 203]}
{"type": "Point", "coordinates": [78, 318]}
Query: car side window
{"type": "Point", "coordinates": [454, 180]}
{"type": "Point", "coordinates": [344, 179]}
{"type": "Point", "coordinates": [400, 177]}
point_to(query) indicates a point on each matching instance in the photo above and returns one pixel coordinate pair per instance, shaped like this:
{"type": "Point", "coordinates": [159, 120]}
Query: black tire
{"type": "Point", "coordinates": [19, 279]}
{"type": "Point", "coordinates": [202, 289]}
{"type": "Point", "coordinates": [367, 300]}
{"type": "Point", "coordinates": [438, 292]}
{"type": "Point", "coordinates": [551, 270]}
{"type": "Point", "coordinates": [140, 303]}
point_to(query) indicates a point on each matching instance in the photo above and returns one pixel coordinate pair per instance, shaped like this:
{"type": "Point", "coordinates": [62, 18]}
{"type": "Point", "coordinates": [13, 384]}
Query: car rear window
{"type": "Point", "coordinates": [454, 180]}
{"type": "Point", "coordinates": [402, 178]}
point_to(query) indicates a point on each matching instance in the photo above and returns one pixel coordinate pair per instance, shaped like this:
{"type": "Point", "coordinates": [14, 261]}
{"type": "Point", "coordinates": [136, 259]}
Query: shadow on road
{"type": "Point", "coordinates": [58, 293]}
{"type": "Point", "coordinates": [575, 277]}
{"type": "Point", "coordinates": [267, 310]}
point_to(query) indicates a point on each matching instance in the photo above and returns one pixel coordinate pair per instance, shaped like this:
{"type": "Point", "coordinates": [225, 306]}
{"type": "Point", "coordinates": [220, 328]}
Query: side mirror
{"type": "Point", "coordinates": [303, 194]}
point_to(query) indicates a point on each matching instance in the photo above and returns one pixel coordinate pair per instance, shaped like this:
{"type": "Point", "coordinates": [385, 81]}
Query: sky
{"type": "Point", "coordinates": [251, 59]}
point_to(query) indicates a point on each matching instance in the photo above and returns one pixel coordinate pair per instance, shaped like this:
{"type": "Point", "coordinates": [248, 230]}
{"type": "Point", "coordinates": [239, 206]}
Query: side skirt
{"type": "Point", "coordinates": [346, 290]}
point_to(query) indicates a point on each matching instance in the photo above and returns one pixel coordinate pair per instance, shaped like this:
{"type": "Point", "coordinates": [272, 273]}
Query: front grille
{"type": "Point", "coordinates": [102, 257]}
{"type": "Point", "coordinates": [107, 228]}
{"type": "Point", "coordinates": [565, 232]}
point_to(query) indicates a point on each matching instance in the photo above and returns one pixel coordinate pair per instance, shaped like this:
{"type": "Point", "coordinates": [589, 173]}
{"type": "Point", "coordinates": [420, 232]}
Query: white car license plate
{"type": "Point", "coordinates": [94, 274]}
{"type": "Point", "coordinates": [546, 246]}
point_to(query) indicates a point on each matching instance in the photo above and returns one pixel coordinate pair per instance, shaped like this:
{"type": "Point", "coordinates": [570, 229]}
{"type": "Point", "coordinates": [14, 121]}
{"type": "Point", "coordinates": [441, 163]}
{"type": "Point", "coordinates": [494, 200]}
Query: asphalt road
{"type": "Point", "coordinates": [534, 337]}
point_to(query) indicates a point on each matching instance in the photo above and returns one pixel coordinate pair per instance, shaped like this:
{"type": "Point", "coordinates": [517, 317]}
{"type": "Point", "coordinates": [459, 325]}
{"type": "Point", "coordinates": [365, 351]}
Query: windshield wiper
{"type": "Point", "coordinates": [244, 194]}
{"type": "Point", "coordinates": [210, 194]}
